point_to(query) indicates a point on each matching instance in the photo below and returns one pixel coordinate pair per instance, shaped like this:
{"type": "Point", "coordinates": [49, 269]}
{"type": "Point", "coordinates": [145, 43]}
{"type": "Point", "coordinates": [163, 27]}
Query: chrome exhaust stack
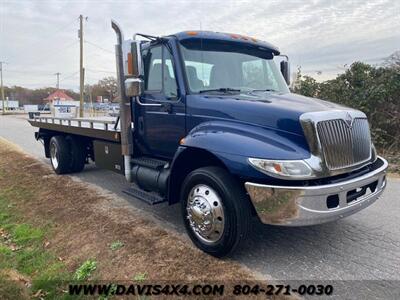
{"type": "Point", "coordinates": [125, 105]}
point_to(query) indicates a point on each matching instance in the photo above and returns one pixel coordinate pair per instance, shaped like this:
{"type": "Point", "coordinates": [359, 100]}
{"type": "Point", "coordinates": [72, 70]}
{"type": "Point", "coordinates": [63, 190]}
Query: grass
{"type": "Point", "coordinates": [116, 245]}
{"type": "Point", "coordinates": [85, 270]}
{"type": "Point", "coordinates": [25, 234]}
{"type": "Point", "coordinates": [140, 277]}
{"type": "Point", "coordinates": [27, 269]}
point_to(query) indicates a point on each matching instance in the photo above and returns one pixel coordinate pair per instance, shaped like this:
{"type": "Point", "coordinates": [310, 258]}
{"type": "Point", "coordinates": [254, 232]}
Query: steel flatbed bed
{"type": "Point", "coordinates": [103, 128]}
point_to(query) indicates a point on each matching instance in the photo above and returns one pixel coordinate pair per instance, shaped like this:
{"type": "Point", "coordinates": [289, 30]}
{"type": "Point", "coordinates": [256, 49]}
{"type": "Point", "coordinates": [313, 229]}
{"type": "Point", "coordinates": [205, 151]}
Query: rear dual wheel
{"type": "Point", "coordinates": [67, 154]}
{"type": "Point", "coordinates": [77, 154]}
{"type": "Point", "coordinates": [59, 154]}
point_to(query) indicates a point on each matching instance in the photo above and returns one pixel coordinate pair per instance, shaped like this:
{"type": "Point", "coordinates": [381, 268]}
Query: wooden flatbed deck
{"type": "Point", "coordinates": [99, 128]}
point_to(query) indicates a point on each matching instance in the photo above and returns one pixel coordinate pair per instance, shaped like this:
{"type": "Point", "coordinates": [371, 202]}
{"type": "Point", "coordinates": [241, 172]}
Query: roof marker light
{"type": "Point", "coordinates": [191, 32]}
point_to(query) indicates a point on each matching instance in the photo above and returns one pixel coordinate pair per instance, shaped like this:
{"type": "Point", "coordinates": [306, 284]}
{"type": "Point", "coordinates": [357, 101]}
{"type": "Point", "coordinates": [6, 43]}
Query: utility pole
{"type": "Point", "coordinates": [58, 79]}
{"type": "Point", "coordinates": [82, 70]}
{"type": "Point", "coordinates": [2, 87]}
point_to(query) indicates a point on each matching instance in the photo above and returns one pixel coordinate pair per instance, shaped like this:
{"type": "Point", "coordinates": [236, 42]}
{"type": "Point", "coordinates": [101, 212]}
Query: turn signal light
{"type": "Point", "coordinates": [277, 168]}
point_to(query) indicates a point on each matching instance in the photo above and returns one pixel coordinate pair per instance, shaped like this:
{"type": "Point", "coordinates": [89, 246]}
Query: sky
{"type": "Point", "coordinates": [39, 38]}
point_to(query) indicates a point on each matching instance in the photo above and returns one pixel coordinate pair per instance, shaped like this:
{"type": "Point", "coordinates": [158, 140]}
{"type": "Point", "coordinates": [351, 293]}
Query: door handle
{"type": "Point", "coordinates": [147, 104]}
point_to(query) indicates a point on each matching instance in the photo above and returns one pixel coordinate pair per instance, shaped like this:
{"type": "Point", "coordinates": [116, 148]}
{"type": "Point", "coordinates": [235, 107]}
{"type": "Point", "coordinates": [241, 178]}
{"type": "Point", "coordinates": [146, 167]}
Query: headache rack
{"type": "Point", "coordinates": [105, 128]}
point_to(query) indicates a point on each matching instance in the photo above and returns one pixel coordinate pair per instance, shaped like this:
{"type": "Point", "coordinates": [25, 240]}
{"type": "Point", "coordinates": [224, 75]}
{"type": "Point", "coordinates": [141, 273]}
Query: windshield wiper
{"type": "Point", "coordinates": [222, 90]}
{"type": "Point", "coordinates": [264, 90]}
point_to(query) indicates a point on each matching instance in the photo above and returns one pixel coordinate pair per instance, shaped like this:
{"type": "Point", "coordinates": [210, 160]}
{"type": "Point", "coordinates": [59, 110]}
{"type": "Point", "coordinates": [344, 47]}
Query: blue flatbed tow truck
{"type": "Point", "coordinates": [207, 120]}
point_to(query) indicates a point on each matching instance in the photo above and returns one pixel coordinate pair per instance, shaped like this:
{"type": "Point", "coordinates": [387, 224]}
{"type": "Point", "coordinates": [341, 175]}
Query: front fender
{"type": "Point", "coordinates": [247, 140]}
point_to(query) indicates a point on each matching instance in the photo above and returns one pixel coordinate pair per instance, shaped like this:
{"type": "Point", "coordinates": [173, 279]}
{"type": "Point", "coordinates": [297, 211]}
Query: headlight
{"type": "Point", "coordinates": [286, 169]}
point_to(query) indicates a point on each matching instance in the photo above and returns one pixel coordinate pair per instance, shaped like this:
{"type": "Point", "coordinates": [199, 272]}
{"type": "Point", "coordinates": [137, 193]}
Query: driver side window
{"type": "Point", "coordinates": [159, 72]}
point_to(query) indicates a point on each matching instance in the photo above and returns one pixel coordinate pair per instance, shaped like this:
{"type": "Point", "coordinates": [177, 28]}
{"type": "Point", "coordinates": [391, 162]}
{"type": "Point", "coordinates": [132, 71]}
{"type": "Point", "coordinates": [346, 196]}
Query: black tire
{"type": "Point", "coordinates": [236, 208]}
{"type": "Point", "coordinates": [61, 158]}
{"type": "Point", "coordinates": [78, 154]}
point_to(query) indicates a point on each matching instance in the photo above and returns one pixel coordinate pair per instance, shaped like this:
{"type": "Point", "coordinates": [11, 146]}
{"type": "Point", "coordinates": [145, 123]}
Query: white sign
{"type": "Point", "coordinates": [30, 108]}
{"type": "Point", "coordinates": [9, 104]}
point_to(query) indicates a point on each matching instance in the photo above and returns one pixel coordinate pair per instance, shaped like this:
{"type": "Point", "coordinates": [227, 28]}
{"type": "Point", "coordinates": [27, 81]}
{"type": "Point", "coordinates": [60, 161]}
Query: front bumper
{"type": "Point", "coordinates": [309, 205]}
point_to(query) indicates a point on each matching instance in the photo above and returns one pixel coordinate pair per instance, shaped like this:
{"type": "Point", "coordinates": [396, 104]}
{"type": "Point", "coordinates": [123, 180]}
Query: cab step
{"type": "Point", "coordinates": [150, 198]}
{"type": "Point", "coordinates": [148, 162]}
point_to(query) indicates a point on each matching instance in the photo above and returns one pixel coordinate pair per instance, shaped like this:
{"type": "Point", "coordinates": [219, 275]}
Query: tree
{"type": "Point", "coordinates": [393, 61]}
{"type": "Point", "coordinates": [305, 85]}
{"type": "Point", "coordinates": [106, 87]}
{"type": "Point", "coordinates": [32, 96]}
{"type": "Point", "coordinates": [109, 87]}
{"type": "Point", "coordinates": [373, 90]}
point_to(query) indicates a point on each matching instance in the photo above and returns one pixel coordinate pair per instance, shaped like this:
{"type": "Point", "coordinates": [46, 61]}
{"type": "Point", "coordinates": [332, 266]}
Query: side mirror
{"type": "Point", "coordinates": [133, 87]}
{"type": "Point", "coordinates": [285, 70]}
{"type": "Point", "coordinates": [133, 82]}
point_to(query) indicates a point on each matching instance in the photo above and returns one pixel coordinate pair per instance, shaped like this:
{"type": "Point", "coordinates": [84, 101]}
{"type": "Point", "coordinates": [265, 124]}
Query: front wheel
{"type": "Point", "coordinates": [215, 210]}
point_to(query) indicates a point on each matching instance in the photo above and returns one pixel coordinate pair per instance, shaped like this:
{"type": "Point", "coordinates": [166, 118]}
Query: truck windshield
{"type": "Point", "coordinates": [219, 69]}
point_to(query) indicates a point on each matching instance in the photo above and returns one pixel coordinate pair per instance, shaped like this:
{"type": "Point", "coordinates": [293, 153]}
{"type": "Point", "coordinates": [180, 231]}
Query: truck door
{"type": "Point", "coordinates": [161, 118]}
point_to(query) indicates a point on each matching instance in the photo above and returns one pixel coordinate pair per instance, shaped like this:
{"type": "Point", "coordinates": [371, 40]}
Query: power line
{"type": "Point", "coordinates": [55, 52]}
{"type": "Point", "coordinates": [99, 71]}
{"type": "Point", "coordinates": [37, 73]}
{"type": "Point", "coordinates": [50, 54]}
{"type": "Point", "coordinates": [60, 29]}
{"type": "Point", "coordinates": [64, 27]}
{"type": "Point", "coordinates": [46, 73]}
{"type": "Point", "coordinates": [99, 47]}
{"type": "Point", "coordinates": [29, 84]}
{"type": "Point", "coordinates": [61, 79]}
{"type": "Point", "coordinates": [70, 76]}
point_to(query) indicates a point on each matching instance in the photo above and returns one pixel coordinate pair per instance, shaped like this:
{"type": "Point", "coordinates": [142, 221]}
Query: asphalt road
{"type": "Point", "coordinates": [365, 246]}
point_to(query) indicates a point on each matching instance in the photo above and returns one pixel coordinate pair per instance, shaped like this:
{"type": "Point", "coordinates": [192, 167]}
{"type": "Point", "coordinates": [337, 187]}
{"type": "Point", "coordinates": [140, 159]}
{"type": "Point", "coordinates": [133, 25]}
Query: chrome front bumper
{"type": "Point", "coordinates": [309, 205]}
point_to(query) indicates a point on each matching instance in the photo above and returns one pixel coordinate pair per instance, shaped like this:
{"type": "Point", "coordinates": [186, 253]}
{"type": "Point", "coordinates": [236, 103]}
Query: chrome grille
{"type": "Point", "coordinates": [342, 145]}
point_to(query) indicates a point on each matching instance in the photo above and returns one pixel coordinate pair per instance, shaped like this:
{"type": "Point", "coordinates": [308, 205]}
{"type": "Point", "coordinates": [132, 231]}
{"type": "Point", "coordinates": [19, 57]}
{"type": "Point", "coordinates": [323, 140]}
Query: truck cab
{"type": "Point", "coordinates": [207, 120]}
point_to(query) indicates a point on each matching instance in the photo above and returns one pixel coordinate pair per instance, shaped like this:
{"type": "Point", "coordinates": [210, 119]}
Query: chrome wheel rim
{"type": "Point", "coordinates": [53, 156]}
{"type": "Point", "coordinates": [205, 213]}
